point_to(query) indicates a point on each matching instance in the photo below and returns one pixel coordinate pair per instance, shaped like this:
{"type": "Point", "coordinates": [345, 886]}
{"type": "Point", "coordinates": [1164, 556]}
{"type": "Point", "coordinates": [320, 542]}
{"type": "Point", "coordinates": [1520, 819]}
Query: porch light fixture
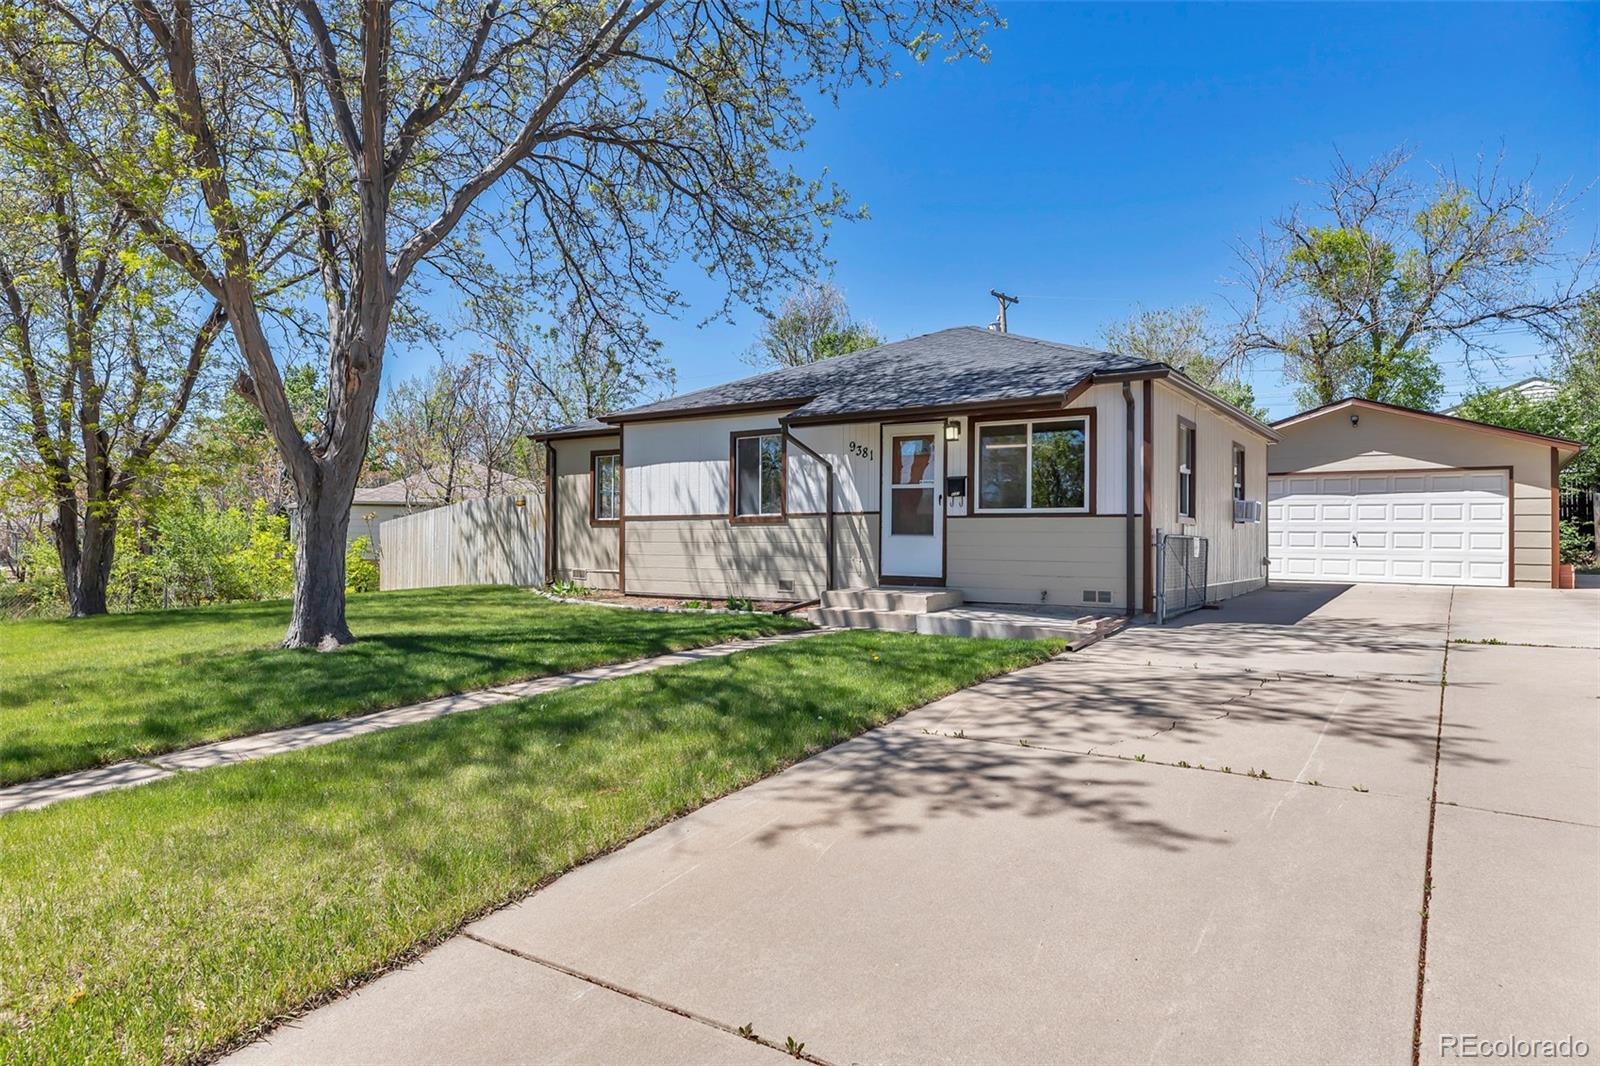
{"type": "Point", "coordinates": [1355, 420]}
{"type": "Point", "coordinates": [952, 430]}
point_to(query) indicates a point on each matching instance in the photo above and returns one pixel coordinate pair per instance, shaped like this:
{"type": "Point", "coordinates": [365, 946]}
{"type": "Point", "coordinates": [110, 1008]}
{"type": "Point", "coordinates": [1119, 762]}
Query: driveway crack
{"type": "Point", "coordinates": [1427, 862]}
{"type": "Point", "coordinates": [648, 1000]}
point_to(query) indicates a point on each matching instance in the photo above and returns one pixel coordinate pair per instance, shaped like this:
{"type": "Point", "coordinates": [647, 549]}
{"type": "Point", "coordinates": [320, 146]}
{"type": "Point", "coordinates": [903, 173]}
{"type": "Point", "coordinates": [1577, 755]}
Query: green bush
{"type": "Point", "coordinates": [1577, 547]}
{"type": "Point", "coordinates": [360, 572]}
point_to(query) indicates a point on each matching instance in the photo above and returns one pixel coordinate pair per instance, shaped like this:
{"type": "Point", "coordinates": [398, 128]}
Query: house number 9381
{"type": "Point", "coordinates": [861, 450]}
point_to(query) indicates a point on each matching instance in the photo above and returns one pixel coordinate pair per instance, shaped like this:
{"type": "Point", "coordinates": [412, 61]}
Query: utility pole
{"type": "Point", "coordinates": [1005, 301]}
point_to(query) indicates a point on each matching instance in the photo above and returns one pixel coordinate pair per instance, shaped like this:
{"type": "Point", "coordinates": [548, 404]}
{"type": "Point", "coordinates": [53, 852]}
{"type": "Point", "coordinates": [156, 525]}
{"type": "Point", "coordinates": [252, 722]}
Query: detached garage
{"type": "Point", "coordinates": [1369, 492]}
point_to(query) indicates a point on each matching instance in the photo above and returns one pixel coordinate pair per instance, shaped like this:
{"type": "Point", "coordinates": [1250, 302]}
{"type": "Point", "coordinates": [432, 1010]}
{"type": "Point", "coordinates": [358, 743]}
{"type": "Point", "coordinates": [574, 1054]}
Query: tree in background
{"type": "Point", "coordinates": [580, 367]}
{"type": "Point", "coordinates": [229, 446]}
{"type": "Point", "coordinates": [1355, 296]}
{"type": "Point", "coordinates": [360, 141]}
{"type": "Point", "coordinates": [1573, 412]}
{"type": "Point", "coordinates": [1182, 337]}
{"type": "Point", "coordinates": [101, 347]}
{"type": "Point", "coordinates": [463, 427]}
{"type": "Point", "coordinates": [812, 324]}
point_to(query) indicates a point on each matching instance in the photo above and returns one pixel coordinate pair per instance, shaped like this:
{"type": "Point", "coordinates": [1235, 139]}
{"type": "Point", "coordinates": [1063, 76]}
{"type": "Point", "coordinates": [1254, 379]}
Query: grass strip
{"type": "Point", "coordinates": [76, 693]}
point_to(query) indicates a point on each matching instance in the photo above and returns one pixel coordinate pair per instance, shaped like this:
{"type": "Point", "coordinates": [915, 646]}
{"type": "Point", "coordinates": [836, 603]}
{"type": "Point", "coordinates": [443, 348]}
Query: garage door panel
{"type": "Point", "coordinates": [1441, 527]}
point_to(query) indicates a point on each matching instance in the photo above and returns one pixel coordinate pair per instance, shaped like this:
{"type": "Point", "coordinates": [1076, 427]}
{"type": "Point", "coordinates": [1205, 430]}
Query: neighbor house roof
{"type": "Point", "coordinates": [428, 486]}
{"type": "Point", "coordinates": [952, 370]}
{"type": "Point", "coordinates": [1571, 447]}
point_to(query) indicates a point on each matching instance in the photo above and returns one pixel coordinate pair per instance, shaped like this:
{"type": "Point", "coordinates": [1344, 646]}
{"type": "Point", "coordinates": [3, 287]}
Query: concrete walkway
{"type": "Point", "coordinates": [31, 795]}
{"type": "Point", "coordinates": [1237, 839]}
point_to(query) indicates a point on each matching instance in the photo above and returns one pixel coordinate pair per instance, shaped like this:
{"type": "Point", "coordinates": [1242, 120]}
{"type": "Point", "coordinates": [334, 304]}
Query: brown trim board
{"type": "Point", "coordinates": [1149, 496]}
{"type": "Point", "coordinates": [1555, 519]}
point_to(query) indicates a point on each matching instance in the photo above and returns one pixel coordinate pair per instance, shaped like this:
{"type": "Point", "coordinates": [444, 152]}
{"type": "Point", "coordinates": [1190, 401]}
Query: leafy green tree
{"type": "Point", "coordinates": [366, 145]}
{"type": "Point", "coordinates": [1356, 295]}
{"type": "Point", "coordinates": [1568, 414]}
{"type": "Point", "coordinates": [814, 323]}
{"type": "Point", "coordinates": [102, 345]}
{"type": "Point", "coordinates": [1182, 338]}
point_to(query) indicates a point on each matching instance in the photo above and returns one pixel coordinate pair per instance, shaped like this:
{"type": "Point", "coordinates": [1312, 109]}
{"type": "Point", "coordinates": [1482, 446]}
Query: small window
{"type": "Point", "coordinates": [1238, 472]}
{"type": "Point", "coordinates": [607, 483]}
{"type": "Point", "coordinates": [758, 475]}
{"type": "Point", "coordinates": [1186, 459]}
{"type": "Point", "coordinates": [1034, 466]}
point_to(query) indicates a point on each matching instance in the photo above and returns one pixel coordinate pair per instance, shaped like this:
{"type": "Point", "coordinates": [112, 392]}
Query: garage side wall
{"type": "Point", "coordinates": [1238, 550]}
{"type": "Point", "coordinates": [584, 553]}
{"type": "Point", "coordinates": [1384, 440]}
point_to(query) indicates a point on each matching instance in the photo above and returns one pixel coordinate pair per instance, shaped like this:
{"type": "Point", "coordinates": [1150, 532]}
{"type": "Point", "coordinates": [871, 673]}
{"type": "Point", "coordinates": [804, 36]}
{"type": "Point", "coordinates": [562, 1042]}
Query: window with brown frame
{"type": "Point", "coordinates": [1238, 471]}
{"type": "Point", "coordinates": [1186, 464]}
{"type": "Point", "coordinates": [757, 476]}
{"type": "Point", "coordinates": [1033, 465]}
{"type": "Point", "coordinates": [605, 483]}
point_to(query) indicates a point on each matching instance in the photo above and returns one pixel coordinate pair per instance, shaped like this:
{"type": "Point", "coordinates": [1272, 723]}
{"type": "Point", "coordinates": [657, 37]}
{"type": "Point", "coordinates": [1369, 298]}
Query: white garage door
{"type": "Point", "coordinates": [1444, 527]}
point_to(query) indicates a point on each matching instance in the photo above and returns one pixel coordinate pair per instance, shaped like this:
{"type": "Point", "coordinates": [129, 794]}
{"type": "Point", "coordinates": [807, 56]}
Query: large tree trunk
{"type": "Point", "coordinates": [94, 565]}
{"type": "Point", "coordinates": [64, 531]}
{"type": "Point", "coordinates": [322, 519]}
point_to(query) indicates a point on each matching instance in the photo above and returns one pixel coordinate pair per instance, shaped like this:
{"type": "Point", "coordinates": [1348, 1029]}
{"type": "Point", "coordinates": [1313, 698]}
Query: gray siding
{"type": "Point", "coordinates": [1237, 561]}
{"type": "Point", "coordinates": [714, 559]}
{"type": "Point", "coordinates": [1040, 559]}
{"type": "Point", "coordinates": [582, 548]}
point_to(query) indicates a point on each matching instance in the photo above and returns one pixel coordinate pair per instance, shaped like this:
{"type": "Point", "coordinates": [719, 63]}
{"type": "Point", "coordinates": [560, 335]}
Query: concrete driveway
{"type": "Point", "coordinates": [1210, 842]}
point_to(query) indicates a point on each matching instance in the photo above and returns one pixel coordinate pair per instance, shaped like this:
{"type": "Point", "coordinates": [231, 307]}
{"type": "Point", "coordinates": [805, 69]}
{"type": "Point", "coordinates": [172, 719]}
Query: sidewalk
{"type": "Point", "coordinates": [31, 795]}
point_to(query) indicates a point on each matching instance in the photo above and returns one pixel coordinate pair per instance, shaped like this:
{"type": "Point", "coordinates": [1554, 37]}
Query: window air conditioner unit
{"type": "Point", "coordinates": [1247, 510]}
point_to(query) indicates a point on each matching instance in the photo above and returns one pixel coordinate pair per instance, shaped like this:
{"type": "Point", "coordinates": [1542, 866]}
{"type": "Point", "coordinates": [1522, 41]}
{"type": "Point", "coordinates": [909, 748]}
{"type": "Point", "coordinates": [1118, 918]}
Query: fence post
{"type": "Point", "coordinates": [1161, 578]}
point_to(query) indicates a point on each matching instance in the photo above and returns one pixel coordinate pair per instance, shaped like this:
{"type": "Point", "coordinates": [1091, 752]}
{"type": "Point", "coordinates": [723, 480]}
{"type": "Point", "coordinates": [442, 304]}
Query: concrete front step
{"type": "Point", "coordinates": [865, 618]}
{"type": "Point", "coordinates": [984, 623]}
{"type": "Point", "coordinates": [886, 598]}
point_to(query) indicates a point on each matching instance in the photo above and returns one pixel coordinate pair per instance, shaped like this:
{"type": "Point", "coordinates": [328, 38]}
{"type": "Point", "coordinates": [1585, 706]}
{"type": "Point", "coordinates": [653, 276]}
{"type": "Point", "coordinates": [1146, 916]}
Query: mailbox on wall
{"type": "Point", "coordinates": [955, 486]}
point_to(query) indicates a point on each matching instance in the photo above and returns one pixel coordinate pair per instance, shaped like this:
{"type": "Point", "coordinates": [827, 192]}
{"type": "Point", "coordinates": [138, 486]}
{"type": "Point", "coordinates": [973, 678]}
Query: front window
{"type": "Point", "coordinates": [758, 475]}
{"type": "Point", "coordinates": [1238, 472]}
{"type": "Point", "coordinates": [607, 486]}
{"type": "Point", "coordinates": [1186, 448]}
{"type": "Point", "coordinates": [1034, 466]}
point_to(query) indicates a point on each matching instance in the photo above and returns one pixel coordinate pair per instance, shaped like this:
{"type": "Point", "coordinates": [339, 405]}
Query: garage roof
{"type": "Point", "coordinates": [1569, 448]}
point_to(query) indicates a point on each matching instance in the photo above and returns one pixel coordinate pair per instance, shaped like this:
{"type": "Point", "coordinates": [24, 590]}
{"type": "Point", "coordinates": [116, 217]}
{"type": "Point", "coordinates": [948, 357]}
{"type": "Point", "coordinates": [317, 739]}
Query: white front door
{"type": "Point", "coordinates": [1438, 527]}
{"type": "Point", "coordinates": [912, 505]}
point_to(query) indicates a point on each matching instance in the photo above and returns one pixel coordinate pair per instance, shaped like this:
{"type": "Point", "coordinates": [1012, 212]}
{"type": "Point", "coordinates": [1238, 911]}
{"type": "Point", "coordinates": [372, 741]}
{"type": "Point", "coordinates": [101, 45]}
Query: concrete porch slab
{"type": "Point", "coordinates": [1514, 932]}
{"type": "Point", "coordinates": [1531, 746]}
{"type": "Point", "coordinates": [465, 1002]}
{"type": "Point", "coordinates": [913, 898]}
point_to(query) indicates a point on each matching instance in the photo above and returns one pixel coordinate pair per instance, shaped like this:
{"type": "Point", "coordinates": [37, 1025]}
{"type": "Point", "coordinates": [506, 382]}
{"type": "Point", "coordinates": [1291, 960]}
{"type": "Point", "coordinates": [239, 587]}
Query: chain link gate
{"type": "Point", "coordinates": [1180, 574]}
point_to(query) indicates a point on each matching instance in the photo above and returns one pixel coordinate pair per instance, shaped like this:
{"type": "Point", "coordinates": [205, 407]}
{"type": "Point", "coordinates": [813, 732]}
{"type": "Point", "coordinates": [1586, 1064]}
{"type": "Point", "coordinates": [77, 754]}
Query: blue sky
{"type": "Point", "coordinates": [1110, 156]}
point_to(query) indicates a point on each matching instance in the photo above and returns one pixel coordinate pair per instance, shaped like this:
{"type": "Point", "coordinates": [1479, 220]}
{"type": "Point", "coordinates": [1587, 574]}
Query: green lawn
{"type": "Point", "coordinates": [79, 693]}
{"type": "Point", "coordinates": [170, 919]}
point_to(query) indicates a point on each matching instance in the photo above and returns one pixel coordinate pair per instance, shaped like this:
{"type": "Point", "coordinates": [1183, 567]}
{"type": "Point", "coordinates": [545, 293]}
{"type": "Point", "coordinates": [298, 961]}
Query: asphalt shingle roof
{"type": "Point", "coordinates": [967, 365]}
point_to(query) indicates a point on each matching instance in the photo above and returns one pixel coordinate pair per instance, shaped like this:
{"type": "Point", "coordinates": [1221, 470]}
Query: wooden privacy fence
{"type": "Point", "coordinates": [497, 541]}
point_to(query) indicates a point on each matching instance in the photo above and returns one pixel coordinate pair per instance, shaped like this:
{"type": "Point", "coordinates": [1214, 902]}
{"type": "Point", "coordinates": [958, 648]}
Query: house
{"type": "Point", "coordinates": [1367, 491]}
{"type": "Point", "coordinates": [430, 487]}
{"type": "Point", "coordinates": [1536, 389]}
{"type": "Point", "coordinates": [1010, 469]}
